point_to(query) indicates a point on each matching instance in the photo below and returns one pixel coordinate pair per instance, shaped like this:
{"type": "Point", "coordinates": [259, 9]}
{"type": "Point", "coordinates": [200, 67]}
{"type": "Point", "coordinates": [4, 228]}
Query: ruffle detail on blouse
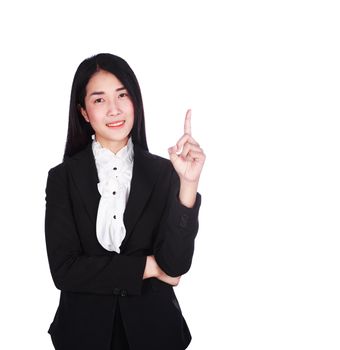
{"type": "Point", "coordinates": [114, 173]}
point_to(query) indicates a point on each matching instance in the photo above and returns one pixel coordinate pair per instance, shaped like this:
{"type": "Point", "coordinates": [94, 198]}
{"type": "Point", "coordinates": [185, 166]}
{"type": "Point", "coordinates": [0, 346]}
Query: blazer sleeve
{"type": "Point", "coordinates": [72, 269]}
{"type": "Point", "coordinates": [174, 246]}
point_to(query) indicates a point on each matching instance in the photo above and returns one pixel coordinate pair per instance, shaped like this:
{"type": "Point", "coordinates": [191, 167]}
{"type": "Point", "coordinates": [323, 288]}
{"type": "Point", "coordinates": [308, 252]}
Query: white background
{"type": "Point", "coordinates": [263, 81]}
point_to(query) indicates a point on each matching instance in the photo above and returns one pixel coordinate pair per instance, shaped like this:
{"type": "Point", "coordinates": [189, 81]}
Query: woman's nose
{"type": "Point", "coordinates": [113, 108]}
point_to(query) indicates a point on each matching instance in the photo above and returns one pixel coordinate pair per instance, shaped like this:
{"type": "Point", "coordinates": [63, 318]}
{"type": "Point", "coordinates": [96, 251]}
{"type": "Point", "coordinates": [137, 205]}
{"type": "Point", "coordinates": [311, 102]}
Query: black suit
{"type": "Point", "coordinates": [93, 281]}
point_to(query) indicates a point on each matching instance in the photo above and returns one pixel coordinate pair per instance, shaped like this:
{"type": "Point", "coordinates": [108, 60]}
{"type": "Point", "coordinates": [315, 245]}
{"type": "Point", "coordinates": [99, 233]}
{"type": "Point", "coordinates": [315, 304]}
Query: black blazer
{"type": "Point", "coordinates": [93, 280]}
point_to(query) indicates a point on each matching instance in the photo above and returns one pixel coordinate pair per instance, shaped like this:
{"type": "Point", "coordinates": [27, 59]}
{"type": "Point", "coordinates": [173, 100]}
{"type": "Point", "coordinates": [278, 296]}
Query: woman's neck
{"type": "Point", "coordinates": [113, 146]}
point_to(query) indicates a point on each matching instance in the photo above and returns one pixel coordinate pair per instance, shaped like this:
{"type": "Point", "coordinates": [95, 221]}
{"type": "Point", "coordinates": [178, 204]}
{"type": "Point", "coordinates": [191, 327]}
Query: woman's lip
{"type": "Point", "coordinates": [116, 124]}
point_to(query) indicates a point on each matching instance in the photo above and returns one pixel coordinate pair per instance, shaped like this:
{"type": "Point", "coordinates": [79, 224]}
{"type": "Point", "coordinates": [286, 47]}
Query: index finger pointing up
{"type": "Point", "coordinates": [187, 123]}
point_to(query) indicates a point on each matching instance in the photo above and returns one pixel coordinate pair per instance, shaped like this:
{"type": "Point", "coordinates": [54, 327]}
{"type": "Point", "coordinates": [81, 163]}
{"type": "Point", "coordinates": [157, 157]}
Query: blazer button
{"type": "Point", "coordinates": [116, 291]}
{"type": "Point", "coordinates": [123, 293]}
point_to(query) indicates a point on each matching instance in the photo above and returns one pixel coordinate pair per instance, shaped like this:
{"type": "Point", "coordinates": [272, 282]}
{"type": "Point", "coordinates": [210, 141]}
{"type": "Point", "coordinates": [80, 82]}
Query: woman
{"type": "Point", "coordinates": [120, 222]}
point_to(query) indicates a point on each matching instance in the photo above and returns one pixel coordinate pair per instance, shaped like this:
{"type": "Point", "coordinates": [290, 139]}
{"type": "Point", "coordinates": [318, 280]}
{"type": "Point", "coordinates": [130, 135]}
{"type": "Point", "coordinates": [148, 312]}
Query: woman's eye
{"type": "Point", "coordinates": [123, 94]}
{"type": "Point", "coordinates": [98, 100]}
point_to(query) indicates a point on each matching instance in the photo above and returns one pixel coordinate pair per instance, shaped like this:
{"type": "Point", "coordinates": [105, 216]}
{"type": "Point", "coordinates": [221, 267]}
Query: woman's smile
{"type": "Point", "coordinates": [117, 124]}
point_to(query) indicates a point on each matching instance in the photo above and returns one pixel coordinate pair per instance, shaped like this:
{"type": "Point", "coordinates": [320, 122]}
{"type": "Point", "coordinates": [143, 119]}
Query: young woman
{"type": "Point", "coordinates": [120, 222]}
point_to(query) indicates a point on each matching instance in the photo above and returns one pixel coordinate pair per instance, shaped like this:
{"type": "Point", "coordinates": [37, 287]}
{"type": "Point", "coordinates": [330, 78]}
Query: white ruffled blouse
{"type": "Point", "coordinates": [114, 173]}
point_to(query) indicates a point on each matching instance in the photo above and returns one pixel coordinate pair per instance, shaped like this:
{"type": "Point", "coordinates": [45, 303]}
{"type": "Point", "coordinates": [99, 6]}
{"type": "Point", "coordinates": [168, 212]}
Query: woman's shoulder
{"type": "Point", "coordinates": [157, 158]}
{"type": "Point", "coordinates": [154, 159]}
{"type": "Point", "coordinates": [61, 168]}
{"type": "Point", "coordinates": [57, 172]}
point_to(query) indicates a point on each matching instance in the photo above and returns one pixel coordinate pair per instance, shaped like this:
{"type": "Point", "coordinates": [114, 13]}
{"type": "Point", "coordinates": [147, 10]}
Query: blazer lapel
{"type": "Point", "coordinates": [84, 172]}
{"type": "Point", "coordinates": [144, 176]}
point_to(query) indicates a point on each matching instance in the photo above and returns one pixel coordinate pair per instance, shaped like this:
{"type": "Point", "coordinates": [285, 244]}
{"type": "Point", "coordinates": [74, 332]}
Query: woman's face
{"type": "Point", "coordinates": [109, 110]}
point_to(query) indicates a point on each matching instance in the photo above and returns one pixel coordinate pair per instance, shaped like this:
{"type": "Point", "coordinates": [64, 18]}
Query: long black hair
{"type": "Point", "coordinates": [79, 133]}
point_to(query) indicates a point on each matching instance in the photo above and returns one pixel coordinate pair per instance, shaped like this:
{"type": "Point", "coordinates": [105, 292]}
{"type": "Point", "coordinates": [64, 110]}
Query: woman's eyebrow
{"type": "Point", "coordinates": [97, 93]}
{"type": "Point", "coordinates": [102, 92]}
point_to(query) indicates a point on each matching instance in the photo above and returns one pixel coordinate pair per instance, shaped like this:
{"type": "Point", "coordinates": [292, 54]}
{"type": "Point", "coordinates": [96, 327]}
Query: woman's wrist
{"type": "Point", "coordinates": [188, 192]}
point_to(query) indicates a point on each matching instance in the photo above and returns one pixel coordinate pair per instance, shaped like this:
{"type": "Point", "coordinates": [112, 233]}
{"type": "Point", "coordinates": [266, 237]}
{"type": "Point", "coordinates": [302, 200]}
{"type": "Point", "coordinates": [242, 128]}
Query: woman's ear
{"type": "Point", "coordinates": [83, 113]}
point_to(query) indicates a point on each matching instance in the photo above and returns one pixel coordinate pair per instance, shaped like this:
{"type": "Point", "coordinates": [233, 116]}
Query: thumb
{"type": "Point", "coordinates": [172, 149]}
{"type": "Point", "coordinates": [172, 153]}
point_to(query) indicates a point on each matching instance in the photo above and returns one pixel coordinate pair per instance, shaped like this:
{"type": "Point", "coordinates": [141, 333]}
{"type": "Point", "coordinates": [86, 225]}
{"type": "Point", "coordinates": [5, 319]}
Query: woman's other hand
{"type": "Point", "coordinates": [153, 270]}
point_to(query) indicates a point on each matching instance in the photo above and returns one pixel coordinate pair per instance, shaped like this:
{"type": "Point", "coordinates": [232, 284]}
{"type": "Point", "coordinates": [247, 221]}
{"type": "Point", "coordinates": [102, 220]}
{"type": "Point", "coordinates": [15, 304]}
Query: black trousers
{"type": "Point", "coordinates": [119, 339]}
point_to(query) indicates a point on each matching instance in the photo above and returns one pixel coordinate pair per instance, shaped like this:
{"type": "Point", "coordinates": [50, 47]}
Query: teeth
{"type": "Point", "coordinates": [116, 124]}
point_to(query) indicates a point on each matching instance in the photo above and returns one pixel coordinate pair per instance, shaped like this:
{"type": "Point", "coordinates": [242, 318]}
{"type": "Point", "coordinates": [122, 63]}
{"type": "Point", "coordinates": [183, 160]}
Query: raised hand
{"type": "Point", "coordinates": [187, 156]}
